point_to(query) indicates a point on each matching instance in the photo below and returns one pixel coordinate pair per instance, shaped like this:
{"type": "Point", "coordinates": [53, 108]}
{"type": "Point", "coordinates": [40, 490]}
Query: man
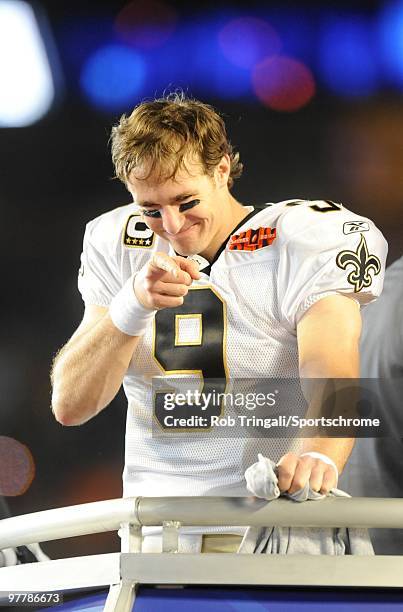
{"type": "Point", "coordinates": [376, 465]}
{"type": "Point", "coordinates": [275, 293]}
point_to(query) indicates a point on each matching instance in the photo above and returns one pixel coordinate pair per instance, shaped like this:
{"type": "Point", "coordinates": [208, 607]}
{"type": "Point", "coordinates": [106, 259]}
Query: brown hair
{"type": "Point", "coordinates": [163, 132]}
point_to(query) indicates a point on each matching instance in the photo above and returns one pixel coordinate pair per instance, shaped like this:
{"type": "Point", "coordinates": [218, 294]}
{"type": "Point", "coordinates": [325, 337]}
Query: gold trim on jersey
{"type": "Point", "coordinates": [199, 372]}
{"type": "Point", "coordinates": [179, 318]}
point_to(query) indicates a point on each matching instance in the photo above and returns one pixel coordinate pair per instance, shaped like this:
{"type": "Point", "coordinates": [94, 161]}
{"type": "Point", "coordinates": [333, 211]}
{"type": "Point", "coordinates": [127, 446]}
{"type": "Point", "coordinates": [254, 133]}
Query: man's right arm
{"type": "Point", "coordinates": [88, 371]}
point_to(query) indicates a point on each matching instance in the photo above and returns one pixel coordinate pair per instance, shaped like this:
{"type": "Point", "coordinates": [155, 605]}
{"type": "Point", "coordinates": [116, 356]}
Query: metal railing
{"type": "Point", "coordinates": [124, 571]}
{"type": "Point", "coordinates": [110, 515]}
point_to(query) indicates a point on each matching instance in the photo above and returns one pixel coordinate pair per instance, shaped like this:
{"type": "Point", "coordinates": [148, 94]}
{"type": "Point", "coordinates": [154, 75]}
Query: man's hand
{"type": "Point", "coordinates": [164, 281]}
{"type": "Point", "coordinates": [295, 471]}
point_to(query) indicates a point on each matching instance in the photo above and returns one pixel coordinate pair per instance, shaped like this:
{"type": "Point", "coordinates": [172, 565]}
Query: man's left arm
{"type": "Point", "coordinates": [328, 345]}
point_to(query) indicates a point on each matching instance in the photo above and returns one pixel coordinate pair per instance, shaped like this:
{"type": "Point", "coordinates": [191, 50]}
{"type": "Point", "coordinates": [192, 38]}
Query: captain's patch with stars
{"type": "Point", "coordinates": [137, 235]}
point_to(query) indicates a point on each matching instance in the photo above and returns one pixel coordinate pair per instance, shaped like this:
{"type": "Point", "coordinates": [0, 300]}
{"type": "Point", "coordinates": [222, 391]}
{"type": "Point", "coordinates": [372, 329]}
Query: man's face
{"type": "Point", "coordinates": [184, 210]}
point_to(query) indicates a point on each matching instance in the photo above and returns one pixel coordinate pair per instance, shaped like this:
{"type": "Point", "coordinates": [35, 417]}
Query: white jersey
{"type": "Point", "coordinates": [238, 321]}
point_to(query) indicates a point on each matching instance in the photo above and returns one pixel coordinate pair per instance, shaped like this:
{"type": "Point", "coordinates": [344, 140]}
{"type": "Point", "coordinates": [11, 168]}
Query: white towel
{"type": "Point", "coordinates": [262, 481]}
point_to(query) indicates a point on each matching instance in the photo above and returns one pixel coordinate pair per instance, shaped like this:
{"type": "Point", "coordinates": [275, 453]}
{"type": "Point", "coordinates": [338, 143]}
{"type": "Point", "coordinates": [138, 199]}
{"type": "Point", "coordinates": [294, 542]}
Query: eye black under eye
{"type": "Point", "coordinates": [188, 205]}
{"type": "Point", "coordinates": [155, 214]}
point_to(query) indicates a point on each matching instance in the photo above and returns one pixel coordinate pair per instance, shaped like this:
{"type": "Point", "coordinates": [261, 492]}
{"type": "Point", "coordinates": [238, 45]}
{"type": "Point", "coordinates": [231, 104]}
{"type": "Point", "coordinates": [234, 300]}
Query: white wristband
{"type": "Point", "coordinates": [324, 458]}
{"type": "Point", "coordinates": [127, 313]}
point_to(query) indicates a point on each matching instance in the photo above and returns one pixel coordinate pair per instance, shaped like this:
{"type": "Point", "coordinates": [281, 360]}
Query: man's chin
{"type": "Point", "coordinates": [185, 249]}
{"type": "Point", "coordinates": [184, 252]}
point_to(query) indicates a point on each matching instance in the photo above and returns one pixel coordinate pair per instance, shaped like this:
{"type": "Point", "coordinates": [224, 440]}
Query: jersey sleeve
{"type": "Point", "coordinates": [98, 278]}
{"type": "Point", "coordinates": [326, 250]}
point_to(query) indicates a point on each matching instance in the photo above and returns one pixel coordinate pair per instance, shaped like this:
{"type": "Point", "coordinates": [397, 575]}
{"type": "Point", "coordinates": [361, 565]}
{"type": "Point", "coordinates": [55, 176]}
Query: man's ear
{"type": "Point", "coordinates": [222, 171]}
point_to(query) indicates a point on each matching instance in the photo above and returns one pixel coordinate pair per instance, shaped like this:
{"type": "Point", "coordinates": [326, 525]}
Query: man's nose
{"type": "Point", "coordinates": [172, 220]}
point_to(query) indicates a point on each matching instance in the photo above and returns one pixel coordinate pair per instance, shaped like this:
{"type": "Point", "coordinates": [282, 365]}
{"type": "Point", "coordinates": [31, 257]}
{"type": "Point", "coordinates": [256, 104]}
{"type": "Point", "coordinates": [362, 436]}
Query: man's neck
{"type": "Point", "coordinates": [234, 215]}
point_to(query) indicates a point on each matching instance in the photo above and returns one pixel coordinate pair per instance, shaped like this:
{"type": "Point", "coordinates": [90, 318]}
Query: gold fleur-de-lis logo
{"type": "Point", "coordinates": [362, 263]}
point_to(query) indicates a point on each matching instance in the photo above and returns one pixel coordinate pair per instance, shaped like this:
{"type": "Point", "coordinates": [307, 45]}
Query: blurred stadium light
{"type": "Point", "coordinates": [283, 84]}
{"type": "Point", "coordinates": [391, 41]}
{"type": "Point", "coordinates": [347, 57]}
{"type": "Point", "coordinates": [17, 467]}
{"type": "Point", "coordinates": [211, 71]}
{"type": "Point", "coordinates": [147, 24]}
{"type": "Point", "coordinates": [280, 56]}
{"type": "Point", "coordinates": [297, 28]}
{"type": "Point", "coordinates": [27, 88]}
{"type": "Point", "coordinates": [113, 76]}
{"type": "Point", "coordinates": [246, 41]}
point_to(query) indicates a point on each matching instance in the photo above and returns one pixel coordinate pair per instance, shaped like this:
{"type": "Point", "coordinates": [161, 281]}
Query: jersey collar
{"type": "Point", "coordinates": [204, 265]}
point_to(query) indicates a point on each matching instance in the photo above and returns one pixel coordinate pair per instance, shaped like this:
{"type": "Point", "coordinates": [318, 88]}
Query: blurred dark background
{"type": "Point", "coordinates": [312, 96]}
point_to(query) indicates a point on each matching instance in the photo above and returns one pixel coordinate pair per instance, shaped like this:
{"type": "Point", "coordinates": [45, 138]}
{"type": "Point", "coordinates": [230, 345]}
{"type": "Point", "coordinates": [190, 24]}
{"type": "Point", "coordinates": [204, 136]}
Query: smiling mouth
{"type": "Point", "coordinates": [183, 232]}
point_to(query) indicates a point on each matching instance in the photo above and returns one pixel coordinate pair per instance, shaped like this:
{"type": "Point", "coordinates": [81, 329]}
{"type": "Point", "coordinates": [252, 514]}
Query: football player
{"type": "Point", "coordinates": [186, 280]}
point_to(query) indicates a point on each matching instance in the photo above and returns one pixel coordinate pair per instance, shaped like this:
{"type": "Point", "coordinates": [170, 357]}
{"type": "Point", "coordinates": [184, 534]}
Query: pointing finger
{"type": "Point", "coordinates": [190, 266]}
{"type": "Point", "coordinates": [161, 261]}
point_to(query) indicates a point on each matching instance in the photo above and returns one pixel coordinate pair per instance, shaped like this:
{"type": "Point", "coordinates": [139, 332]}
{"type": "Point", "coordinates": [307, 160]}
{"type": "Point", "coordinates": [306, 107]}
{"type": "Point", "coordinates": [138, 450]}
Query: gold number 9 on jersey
{"type": "Point", "coordinates": [191, 339]}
